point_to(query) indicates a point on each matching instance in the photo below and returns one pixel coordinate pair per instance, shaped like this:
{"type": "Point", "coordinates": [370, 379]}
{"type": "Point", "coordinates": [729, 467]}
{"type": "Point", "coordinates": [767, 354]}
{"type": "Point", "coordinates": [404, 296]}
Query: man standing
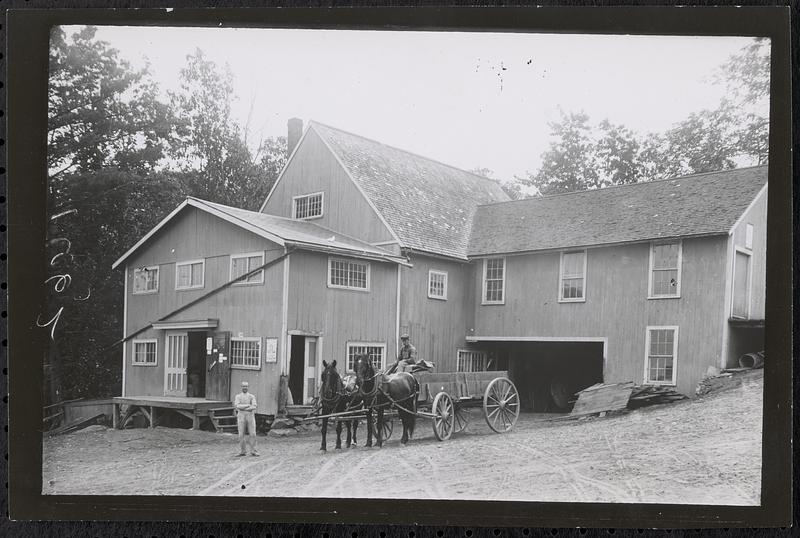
{"type": "Point", "coordinates": [245, 404]}
{"type": "Point", "coordinates": [407, 356]}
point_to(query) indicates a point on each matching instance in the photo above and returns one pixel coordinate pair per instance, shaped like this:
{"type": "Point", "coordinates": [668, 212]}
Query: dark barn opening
{"type": "Point", "coordinates": [548, 374]}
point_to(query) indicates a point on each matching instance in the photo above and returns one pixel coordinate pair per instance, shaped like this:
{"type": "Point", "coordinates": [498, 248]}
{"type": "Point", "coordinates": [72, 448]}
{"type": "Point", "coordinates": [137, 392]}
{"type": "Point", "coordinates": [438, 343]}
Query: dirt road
{"type": "Point", "coordinates": [705, 451]}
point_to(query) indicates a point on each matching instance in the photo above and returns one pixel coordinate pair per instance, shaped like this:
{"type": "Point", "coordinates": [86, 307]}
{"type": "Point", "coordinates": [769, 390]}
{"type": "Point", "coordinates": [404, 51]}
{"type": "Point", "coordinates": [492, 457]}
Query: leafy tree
{"type": "Point", "coordinates": [101, 113]}
{"type": "Point", "coordinates": [735, 133]}
{"type": "Point", "coordinates": [214, 156]}
{"type": "Point", "coordinates": [512, 189]}
{"type": "Point", "coordinates": [585, 156]}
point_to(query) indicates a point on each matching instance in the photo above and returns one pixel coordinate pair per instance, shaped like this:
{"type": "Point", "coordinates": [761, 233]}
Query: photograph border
{"type": "Point", "coordinates": [27, 35]}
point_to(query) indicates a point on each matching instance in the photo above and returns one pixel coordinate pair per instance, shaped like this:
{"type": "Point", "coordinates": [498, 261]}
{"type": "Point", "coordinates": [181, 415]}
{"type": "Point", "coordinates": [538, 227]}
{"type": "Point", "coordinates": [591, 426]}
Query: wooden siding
{"type": "Point", "coordinates": [247, 310]}
{"type": "Point", "coordinates": [315, 169]}
{"type": "Point", "coordinates": [437, 328]}
{"type": "Point", "coordinates": [757, 216]}
{"type": "Point", "coordinates": [616, 306]}
{"type": "Point", "coordinates": [337, 315]}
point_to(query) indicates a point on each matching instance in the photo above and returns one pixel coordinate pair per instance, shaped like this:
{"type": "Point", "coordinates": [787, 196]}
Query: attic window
{"type": "Point", "coordinates": [665, 270]}
{"type": "Point", "coordinates": [307, 206]}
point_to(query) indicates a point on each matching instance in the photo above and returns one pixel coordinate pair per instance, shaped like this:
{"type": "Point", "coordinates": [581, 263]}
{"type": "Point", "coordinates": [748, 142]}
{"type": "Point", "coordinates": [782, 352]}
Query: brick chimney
{"type": "Point", "coordinates": [295, 131]}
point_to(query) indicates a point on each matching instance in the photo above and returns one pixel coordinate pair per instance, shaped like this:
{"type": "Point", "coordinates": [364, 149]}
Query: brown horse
{"type": "Point", "coordinates": [380, 392]}
{"type": "Point", "coordinates": [336, 396]}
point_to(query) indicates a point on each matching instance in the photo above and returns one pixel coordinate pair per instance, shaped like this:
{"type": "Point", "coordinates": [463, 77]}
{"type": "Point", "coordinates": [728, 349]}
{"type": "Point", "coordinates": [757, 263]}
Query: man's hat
{"type": "Point", "coordinates": [404, 336]}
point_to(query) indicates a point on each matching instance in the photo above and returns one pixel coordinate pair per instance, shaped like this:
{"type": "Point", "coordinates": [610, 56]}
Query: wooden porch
{"type": "Point", "coordinates": [192, 408]}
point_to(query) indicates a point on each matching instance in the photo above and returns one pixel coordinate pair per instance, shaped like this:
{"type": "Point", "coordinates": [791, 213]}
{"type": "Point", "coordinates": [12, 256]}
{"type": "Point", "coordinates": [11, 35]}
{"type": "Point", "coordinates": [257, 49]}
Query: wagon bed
{"type": "Point", "coordinates": [445, 397]}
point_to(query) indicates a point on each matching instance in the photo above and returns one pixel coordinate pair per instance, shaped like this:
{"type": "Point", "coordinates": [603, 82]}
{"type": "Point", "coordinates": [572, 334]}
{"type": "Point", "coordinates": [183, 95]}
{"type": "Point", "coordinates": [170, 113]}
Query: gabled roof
{"type": "Point", "coordinates": [696, 205]}
{"type": "Point", "coordinates": [428, 205]}
{"type": "Point", "coordinates": [283, 231]}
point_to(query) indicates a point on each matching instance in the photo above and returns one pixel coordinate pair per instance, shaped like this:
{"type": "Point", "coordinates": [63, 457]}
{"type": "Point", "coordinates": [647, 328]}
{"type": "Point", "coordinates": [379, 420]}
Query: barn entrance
{"type": "Point", "coordinates": [549, 373]}
{"type": "Point", "coordinates": [303, 369]}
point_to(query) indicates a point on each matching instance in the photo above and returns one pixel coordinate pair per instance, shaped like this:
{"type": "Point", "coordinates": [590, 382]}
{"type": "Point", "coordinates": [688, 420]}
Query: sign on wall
{"type": "Point", "coordinates": [271, 354]}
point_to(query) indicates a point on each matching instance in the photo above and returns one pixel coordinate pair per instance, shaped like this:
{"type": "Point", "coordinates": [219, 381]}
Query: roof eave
{"type": "Point", "coordinates": [475, 256]}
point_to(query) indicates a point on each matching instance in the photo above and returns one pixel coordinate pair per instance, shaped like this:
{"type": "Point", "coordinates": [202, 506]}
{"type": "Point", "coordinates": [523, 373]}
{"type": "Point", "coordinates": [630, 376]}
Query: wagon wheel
{"type": "Point", "coordinates": [501, 404]}
{"type": "Point", "coordinates": [461, 419]}
{"type": "Point", "coordinates": [444, 416]}
{"type": "Point", "coordinates": [388, 426]}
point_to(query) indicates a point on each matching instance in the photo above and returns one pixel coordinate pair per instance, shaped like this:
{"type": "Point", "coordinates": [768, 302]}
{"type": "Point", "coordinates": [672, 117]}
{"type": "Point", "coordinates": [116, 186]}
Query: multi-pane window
{"type": "Point", "coordinates": [662, 344]}
{"type": "Point", "coordinates": [437, 284]}
{"type": "Point", "coordinates": [350, 274]}
{"type": "Point", "coordinates": [189, 275]}
{"type": "Point", "coordinates": [145, 280]}
{"type": "Point", "coordinates": [472, 361]}
{"type": "Point", "coordinates": [243, 264]}
{"type": "Point", "coordinates": [246, 353]}
{"type": "Point", "coordinates": [308, 206]}
{"type": "Point", "coordinates": [144, 352]}
{"type": "Point", "coordinates": [665, 269]}
{"type": "Point", "coordinates": [573, 276]}
{"type": "Point", "coordinates": [494, 273]}
{"type": "Point", "coordinates": [375, 350]}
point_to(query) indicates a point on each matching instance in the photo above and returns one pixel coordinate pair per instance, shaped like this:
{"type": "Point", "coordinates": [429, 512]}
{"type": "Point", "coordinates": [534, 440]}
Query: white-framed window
{"type": "Point", "coordinates": [307, 206]}
{"type": "Point", "coordinates": [348, 274]}
{"type": "Point", "coordinates": [665, 270]}
{"type": "Point", "coordinates": [661, 355]}
{"type": "Point", "coordinates": [494, 281]}
{"type": "Point", "coordinates": [572, 277]}
{"type": "Point", "coordinates": [145, 352]}
{"type": "Point", "coordinates": [376, 350]}
{"type": "Point", "coordinates": [246, 353]}
{"type": "Point", "coordinates": [190, 275]}
{"type": "Point", "coordinates": [145, 280]}
{"type": "Point", "coordinates": [437, 284]}
{"type": "Point", "coordinates": [244, 263]}
{"type": "Point", "coordinates": [748, 236]}
{"type": "Point", "coordinates": [471, 361]}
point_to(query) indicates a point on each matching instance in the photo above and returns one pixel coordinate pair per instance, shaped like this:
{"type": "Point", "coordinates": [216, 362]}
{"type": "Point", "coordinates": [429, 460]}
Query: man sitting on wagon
{"type": "Point", "coordinates": [407, 356]}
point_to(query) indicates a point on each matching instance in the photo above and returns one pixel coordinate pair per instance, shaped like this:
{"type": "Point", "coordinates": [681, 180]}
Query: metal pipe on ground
{"type": "Point", "coordinates": [751, 360]}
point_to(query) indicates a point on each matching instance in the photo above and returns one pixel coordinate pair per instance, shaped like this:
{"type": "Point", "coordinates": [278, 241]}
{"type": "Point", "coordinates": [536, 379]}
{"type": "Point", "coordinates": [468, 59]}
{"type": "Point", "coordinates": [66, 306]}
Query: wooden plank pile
{"type": "Point", "coordinates": [602, 398]}
{"type": "Point", "coordinates": [652, 395]}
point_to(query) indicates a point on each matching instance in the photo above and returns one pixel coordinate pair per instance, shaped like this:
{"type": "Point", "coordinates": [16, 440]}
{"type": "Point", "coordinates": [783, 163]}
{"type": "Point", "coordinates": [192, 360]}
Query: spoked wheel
{"type": "Point", "coordinates": [444, 419]}
{"type": "Point", "coordinates": [388, 426]}
{"type": "Point", "coordinates": [461, 419]}
{"type": "Point", "coordinates": [501, 405]}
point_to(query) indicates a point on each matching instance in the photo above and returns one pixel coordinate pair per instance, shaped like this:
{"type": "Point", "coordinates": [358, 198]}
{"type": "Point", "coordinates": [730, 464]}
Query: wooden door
{"type": "Point", "coordinates": [175, 367]}
{"type": "Point", "coordinates": [310, 377]}
{"type": "Point", "coordinates": [218, 366]}
{"type": "Point", "coordinates": [741, 286]}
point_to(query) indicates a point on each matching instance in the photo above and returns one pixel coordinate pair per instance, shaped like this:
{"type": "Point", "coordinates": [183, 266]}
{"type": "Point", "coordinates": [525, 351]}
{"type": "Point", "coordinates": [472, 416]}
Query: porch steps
{"type": "Point", "coordinates": [223, 419]}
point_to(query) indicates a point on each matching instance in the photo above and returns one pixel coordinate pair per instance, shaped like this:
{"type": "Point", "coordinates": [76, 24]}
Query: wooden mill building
{"type": "Point", "coordinates": [359, 242]}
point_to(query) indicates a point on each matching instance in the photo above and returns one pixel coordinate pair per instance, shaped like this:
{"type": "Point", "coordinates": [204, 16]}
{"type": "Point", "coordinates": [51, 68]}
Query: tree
{"type": "Point", "coordinates": [512, 189]}
{"type": "Point", "coordinates": [735, 133]}
{"type": "Point", "coordinates": [214, 155]}
{"type": "Point", "coordinates": [101, 113]}
{"type": "Point", "coordinates": [585, 156]}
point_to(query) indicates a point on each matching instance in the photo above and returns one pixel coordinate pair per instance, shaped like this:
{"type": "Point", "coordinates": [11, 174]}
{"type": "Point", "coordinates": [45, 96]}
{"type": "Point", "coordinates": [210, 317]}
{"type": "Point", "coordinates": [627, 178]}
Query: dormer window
{"type": "Point", "coordinates": [307, 206]}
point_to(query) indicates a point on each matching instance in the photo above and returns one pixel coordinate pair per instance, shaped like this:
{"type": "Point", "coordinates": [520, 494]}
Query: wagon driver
{"type": "Point", "coordinates": [407, 356]}
{"type": "Point", "coordinates": [245, 404]}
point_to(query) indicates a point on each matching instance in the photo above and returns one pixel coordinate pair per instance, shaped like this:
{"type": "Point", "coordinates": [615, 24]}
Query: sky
{"type": "Point", "coordinates": [467, 99]}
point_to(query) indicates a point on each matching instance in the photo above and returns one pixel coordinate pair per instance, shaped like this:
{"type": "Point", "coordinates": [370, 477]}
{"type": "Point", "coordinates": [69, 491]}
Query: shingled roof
{"type": "Point", "coordinates": [284, 231]}
{"type": "Point", "coordinates": [696, 205]}
{"type": "Point", "coordinates": [427, 204]}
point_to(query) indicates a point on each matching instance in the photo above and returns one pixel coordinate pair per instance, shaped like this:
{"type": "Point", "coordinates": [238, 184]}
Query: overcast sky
{"type": "Point", "coordinates": [467, 99]}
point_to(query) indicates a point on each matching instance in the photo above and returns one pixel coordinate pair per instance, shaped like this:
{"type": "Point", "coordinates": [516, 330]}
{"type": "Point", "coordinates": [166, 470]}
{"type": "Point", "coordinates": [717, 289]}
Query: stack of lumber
{"type": "Point", "coordinates": [602, 398]}
{"type": "Point", "coordinates": [652, 395]}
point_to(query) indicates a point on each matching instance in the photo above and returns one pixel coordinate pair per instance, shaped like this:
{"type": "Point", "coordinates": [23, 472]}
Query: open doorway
{"type": "Point", "coordinates": [196, 365]}
{"type": "Point", "coordinates": [303, 369]}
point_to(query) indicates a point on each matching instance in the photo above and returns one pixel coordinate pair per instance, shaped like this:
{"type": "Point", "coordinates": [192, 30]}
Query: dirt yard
{"type": "Point", "coordinates": [704, 451]}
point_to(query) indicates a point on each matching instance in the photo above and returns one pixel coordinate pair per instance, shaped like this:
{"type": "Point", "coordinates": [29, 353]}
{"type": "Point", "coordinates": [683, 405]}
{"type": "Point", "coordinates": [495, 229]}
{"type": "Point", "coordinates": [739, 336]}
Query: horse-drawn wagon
{"type": "Point", "coordinates": [444, 398]}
